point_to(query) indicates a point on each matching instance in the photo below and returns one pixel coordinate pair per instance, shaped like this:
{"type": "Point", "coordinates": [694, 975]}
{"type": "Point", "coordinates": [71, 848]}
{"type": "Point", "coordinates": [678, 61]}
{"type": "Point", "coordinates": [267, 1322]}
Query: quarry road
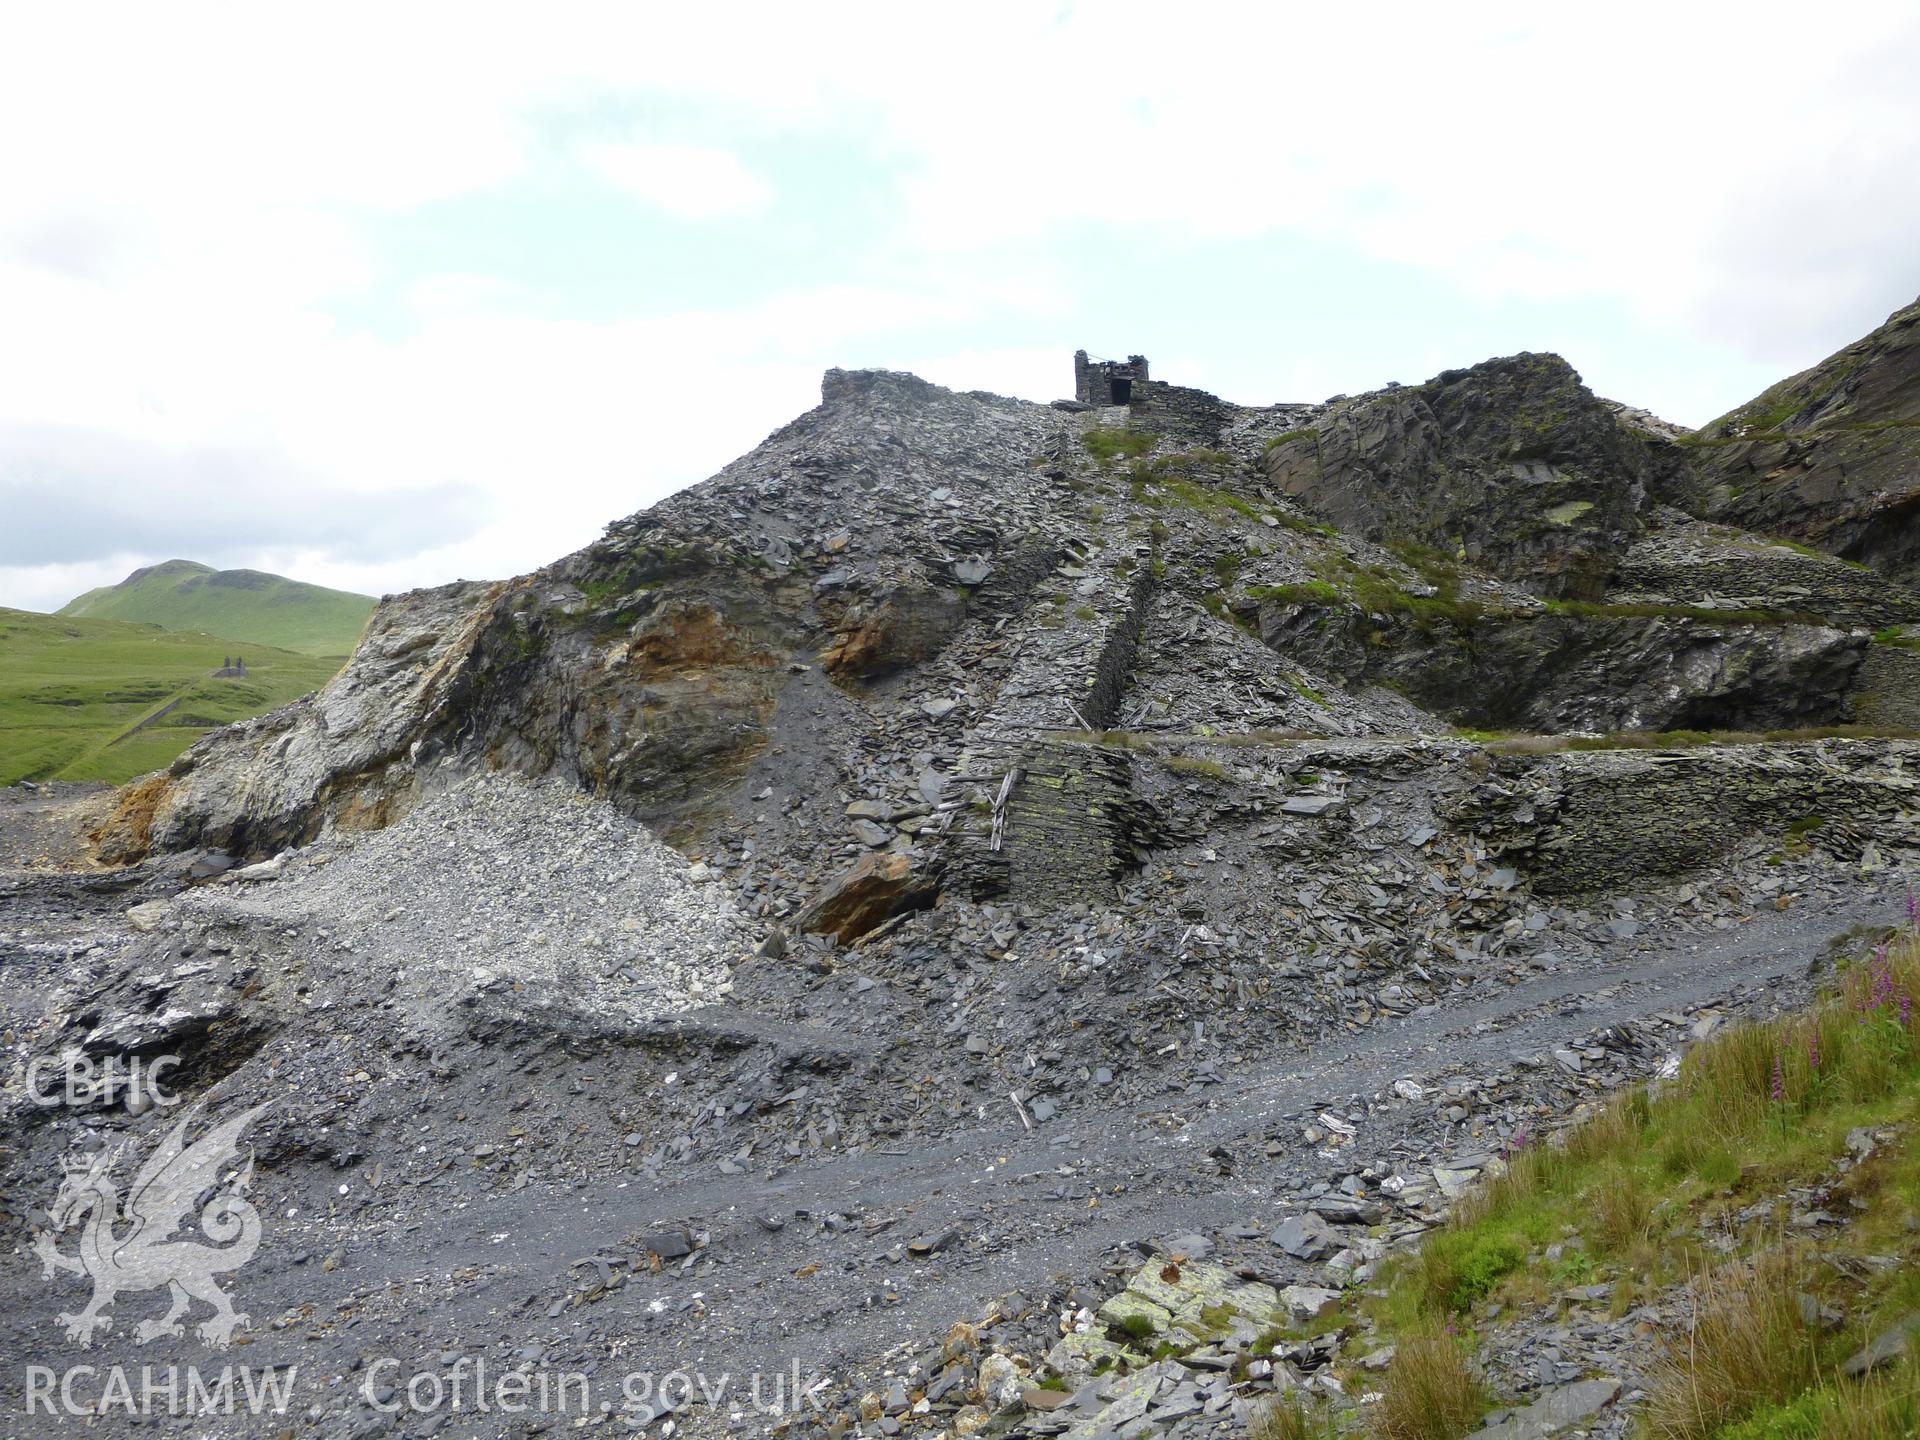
{"type": "Point", "coordinates": [1004, 1209]}
{"type": "Point", "coordinates": [850, 1264]}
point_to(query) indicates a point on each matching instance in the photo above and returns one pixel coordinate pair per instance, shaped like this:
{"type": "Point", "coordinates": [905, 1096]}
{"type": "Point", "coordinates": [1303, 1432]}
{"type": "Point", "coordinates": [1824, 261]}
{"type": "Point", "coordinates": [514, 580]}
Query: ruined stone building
{"type": "Point", "coordinates": [1178, 412]}
{"type": "Point", "coordinates": [1107, 382]}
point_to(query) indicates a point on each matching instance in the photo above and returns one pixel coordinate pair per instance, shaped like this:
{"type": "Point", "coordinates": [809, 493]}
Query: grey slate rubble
{"type": "Point", "coordinates": [928, 892]}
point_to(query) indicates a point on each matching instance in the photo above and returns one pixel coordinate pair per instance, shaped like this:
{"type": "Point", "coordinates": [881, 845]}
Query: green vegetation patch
{"type": "Point", "coordinates": [84, 699]}
{"type": "Point", "coordinates": [1899, 637]}
{"type": "Point", "coordinates": [1301, 525]}
{"type": "Point", "coordinates": [1380, 593]}
{"type": "Point", "coordinates": [1137, 1328]}
{"type": "Point", "coordinates": [1108, 443]}
{"type": "Point", "coordinates": [1764, 415]}
{"type": "Point", "coordinates": [1158, 488]}
{"type": "Point", "coordinates": [1196, 765]}
{"type": "Point", "coordinates": [1645, 1194]}
{"type": "Point", "coordinates": [1226, 569]}
{"type": "Point", "coordinates": [1460, 1268]}
{"type": "Point", "coordinates": [1304, 592]}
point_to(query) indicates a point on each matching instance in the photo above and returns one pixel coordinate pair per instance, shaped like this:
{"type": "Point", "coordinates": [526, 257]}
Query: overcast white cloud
{"type": "Point", "coordinates": [695, 181]}
{"type": "Point", "coordinates": [378, 296]}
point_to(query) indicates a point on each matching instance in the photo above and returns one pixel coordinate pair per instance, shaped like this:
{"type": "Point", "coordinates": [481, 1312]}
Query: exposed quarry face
{"type": "Point", "coordinates": [1084, 802]}
{"type": "Point", "coordinates": [1829, 456]}
{"type": "Point", "coordinates": [1513, 465]}
{"type": "Point", "coordinates": [908, 595]}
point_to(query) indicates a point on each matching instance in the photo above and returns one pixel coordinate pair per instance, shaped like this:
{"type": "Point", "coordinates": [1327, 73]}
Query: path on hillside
{"type": "Point", "coordinates": [146, 720]}
{"type": "Point", "coordinates": [1160, 1157]}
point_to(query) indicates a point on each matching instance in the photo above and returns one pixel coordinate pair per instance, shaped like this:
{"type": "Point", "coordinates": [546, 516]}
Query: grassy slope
{"type": "Point", "coordinates": [1636, 1196]}
{"type": "Point", "coordinates": [71, 689]}
{"type": "Point", "coordinates": [244, 606]}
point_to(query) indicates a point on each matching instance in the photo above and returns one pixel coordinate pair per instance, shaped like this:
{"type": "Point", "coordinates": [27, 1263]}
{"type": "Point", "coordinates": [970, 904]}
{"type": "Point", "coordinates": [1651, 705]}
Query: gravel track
{"type": "Point", "coordinates": [809, 1259]}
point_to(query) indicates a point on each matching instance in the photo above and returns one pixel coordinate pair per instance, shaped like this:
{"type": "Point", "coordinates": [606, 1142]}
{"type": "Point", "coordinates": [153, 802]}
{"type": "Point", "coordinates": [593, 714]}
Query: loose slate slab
{"type": "Point", "coordinates": [1306, 1237]}
{"type": "Point", "coordinates": [1552, 1412]}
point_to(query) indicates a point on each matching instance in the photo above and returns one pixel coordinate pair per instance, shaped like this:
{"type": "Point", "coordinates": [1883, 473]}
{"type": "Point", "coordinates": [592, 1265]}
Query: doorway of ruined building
{"type": "Point", "coordinates": [1122, 391]}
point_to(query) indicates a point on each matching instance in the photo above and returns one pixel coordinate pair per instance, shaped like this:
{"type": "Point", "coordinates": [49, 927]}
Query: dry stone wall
{"type": "Point", "coordinates": [1757, 576]}
{"type": "Point", "coordinates": [1184, 415]}
{"type": "Point", "coordinates": [1587, 822]}
{"type": "Point", "coordinates": [1886, 690]}
{"type": "Point", "coordinates": [1066, 825]}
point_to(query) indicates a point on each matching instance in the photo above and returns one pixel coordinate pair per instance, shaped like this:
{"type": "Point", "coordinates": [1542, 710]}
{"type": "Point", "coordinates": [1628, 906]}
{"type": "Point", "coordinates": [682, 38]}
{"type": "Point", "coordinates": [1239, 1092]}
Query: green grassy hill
{"type": "Point", "coordinates": [84, 699]}
{"type": "Point", "coordinates": [240, 605]}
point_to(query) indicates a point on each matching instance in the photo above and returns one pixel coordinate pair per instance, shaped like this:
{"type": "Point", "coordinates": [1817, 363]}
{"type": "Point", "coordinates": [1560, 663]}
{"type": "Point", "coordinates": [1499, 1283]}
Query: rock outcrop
{"type": "Point", "coordinates": [1586, 823]}
{"type": "Point", "coordinates": [1513, 465]}
{"type": "Point", "coordinates": [1688, 563]}
{"type": "Point", "coordinates": [850, 659]}
{"type": "Point", "coordinates": [1830, 456]}
{"type": "Point", "coordinates": [1601, 670]}
{"type": "Point", "coordinates": [351, 754]}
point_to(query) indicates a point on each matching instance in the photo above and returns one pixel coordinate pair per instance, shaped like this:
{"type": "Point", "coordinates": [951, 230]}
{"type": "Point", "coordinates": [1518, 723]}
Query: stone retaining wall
{"type": "Point", "coordinates": [1068, 823]}
{"type": "Point", "coordinates": [1183, 415]}
{"type": "Point", "coordinates": [1071, 820]}
{"type": "Point", "coordinates": [1587, 822]}
{"type": "Point", "coordinates": [1886, 689]}
{"type": "Point", "coordinates": [1773, 580]}
{"type": "Point", "coordinates": [1114, 669]}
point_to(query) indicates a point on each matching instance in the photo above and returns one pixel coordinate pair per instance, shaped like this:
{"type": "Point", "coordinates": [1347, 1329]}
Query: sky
{"type": "Point", "coordinates": [383, 296]}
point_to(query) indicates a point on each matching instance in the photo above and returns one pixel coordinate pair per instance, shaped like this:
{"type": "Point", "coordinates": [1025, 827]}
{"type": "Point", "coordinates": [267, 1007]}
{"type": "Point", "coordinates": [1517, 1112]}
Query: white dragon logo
{"type": "Point", "coordinates": [164, 1191]}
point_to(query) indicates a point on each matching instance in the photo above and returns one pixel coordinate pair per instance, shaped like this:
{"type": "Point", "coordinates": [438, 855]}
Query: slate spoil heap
{"type": "Point", "coordinates": [1140, 862]}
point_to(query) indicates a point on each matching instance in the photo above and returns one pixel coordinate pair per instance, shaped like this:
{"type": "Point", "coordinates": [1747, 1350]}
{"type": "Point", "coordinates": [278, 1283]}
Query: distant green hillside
{"type": "Point", "coordinates": [239, 605]}
{"type": "Point", "coordinates": [88, 699]}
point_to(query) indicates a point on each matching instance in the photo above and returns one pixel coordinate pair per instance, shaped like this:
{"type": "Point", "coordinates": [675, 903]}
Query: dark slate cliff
{"type": "Point", "coordinates": [1830, 456]}
{"type": "Point", "coordinates": [1513, 464]}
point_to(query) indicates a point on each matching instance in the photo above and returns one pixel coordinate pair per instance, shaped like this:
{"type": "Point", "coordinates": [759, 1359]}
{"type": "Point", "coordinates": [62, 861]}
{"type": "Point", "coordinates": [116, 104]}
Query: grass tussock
{"type": "Point", "coordinates": [1750, 1109]}
{"type": "Point", "coordinates": [1291, 1419]}
{"type": "Point", "coordinates": [1748, 1345]}
{"type": "Point", "coordinates": [1622, 1209]}
{"type": "Point", "coordinates": [1430, 1393]}
{"type": "Point", "coordinates": [1108, 443]}
{"type": "Point", "coordinates": [1196, 765]}
{"type": "Point", "coordinates": [1457, 1269]}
